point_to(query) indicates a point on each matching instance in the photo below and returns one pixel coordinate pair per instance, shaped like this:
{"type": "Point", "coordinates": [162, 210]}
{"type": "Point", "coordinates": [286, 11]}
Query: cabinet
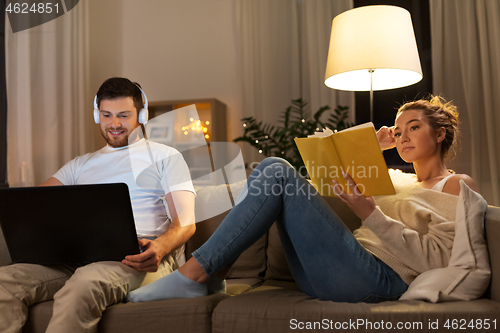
{"type": "Point", "coordinates": [210, 109]}
{"type": "Point", "coordinates": [191, 130]}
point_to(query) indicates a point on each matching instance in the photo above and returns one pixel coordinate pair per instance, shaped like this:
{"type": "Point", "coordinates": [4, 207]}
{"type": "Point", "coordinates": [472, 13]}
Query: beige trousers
{"type": "Point", "coordinates": [81, 294]}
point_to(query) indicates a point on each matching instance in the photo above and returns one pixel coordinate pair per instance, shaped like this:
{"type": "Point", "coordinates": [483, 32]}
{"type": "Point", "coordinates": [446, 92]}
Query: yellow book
{"type": "Point", "coordinates": [354, 150]}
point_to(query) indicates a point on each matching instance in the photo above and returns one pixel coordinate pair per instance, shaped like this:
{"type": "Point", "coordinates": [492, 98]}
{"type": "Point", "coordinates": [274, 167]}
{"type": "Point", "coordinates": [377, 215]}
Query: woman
{"type": "Point", "coordinates": [402, 234]}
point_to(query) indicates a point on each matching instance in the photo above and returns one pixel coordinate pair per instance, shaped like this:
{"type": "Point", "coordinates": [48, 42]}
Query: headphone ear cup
{"type": "Point", "coordinates": [97, 120]}
{"type": "Point", "coordinates": [143, 116]}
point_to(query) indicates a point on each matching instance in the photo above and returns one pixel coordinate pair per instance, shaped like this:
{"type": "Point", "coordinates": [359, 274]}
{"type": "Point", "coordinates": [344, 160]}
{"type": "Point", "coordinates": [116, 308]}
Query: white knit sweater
{"type": "Point", "coordinates": [411, 231]}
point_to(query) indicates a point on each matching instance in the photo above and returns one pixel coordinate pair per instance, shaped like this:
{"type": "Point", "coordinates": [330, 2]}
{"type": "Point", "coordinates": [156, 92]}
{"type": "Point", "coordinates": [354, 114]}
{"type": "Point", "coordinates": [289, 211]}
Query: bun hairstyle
{"type": "Point", "coordinates": [439, 113]}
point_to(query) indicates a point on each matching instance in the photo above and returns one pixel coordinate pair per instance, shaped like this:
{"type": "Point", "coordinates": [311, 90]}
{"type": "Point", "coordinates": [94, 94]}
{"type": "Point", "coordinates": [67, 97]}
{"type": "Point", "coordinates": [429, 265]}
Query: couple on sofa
{"type": "Point", "coordinates": [402, 235]}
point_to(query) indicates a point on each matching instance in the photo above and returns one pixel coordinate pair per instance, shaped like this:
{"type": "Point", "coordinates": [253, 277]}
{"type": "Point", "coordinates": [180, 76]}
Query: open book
{"type": "Point", "coordinates": [354, 150]}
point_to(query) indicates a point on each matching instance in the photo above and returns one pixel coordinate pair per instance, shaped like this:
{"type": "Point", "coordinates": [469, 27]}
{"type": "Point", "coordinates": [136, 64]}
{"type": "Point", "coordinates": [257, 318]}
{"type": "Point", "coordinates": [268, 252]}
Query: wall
{"type": "Point", "coordinates": [174, 49]}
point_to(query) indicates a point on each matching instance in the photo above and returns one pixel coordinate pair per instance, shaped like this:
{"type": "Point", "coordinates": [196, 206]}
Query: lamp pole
{"type": "Point", "coordinates": [371, 93]}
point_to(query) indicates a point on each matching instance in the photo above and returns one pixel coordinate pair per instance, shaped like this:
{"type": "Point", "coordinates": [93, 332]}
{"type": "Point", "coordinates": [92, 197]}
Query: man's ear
{"type": "Point", "coordinates": [441, 134]}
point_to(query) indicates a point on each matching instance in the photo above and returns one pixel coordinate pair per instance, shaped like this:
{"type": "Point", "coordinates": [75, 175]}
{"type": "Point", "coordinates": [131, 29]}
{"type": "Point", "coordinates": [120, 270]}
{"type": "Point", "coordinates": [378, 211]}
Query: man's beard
{"type": "Point", "coordinates": [117, 142]}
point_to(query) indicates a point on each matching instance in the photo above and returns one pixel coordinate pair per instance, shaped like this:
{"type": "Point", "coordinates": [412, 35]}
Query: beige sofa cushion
{"type": "Point", "coordinates": [252, 262]}
{"type": "Point", "coordinates": [277, 266]}
{"type": "Point", "coordinates": [175, 315]}
{"type": "Point", "coordinates": [271, 308]}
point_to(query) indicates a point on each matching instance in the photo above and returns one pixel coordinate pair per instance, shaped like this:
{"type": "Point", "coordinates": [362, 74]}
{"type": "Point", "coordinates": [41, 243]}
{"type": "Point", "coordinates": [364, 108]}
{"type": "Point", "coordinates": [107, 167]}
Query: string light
{"type": "Point", "coordinates": [197, 126]}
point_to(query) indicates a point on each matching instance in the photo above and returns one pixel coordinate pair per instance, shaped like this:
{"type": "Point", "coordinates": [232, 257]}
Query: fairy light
{"type": "Point", "coordinates": [197, 126]}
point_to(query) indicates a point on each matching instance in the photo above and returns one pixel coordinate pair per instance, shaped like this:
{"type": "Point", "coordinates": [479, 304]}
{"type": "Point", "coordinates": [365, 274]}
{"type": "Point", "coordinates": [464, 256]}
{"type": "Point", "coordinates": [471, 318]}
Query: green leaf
{"type": "Point", "coordinates": [294, 122]}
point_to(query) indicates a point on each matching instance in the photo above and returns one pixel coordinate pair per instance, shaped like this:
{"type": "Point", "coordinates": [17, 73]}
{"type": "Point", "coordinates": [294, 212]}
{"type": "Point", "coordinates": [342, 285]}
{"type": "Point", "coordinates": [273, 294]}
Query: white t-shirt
{"type": "Point", "coordinates": [148, 181]}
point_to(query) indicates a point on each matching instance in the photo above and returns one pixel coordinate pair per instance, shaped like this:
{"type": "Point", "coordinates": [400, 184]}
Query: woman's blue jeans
{"type": "Point", "coordinates": [325, 259]}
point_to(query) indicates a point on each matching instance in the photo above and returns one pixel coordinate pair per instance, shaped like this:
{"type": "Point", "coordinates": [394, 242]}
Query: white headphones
{"type": "Point", "coordinates": [143, 113]}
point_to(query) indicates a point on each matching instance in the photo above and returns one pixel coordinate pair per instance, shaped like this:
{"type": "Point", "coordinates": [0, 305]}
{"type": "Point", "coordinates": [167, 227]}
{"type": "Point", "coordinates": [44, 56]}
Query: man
{"type": "Point", "coordinates": [162, 198]}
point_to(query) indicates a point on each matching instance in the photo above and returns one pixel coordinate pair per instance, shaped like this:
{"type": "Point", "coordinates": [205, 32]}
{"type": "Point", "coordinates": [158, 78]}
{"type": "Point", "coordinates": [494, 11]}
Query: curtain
{"type": "Point", "coordinates": [316, 23]}
{"type": "Point", "coordinates": [3, 103]}
{"type": "Point", "coordinates": [49, 107]}
{"type": "Point", "coordinates": [466, 69]}
{"type": "Point", "coordinates": [282, 50]}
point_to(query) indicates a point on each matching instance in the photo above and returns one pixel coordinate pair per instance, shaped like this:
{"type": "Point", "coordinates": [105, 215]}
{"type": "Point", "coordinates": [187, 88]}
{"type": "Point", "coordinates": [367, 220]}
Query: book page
{"type": "Point", "coordinates": [365, 125]}
{"type": "Point", "coordinates": [326, 132]}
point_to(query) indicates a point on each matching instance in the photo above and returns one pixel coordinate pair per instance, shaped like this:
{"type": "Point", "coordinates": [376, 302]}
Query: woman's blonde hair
{"type": "Point", "coordinates": [439, 113]}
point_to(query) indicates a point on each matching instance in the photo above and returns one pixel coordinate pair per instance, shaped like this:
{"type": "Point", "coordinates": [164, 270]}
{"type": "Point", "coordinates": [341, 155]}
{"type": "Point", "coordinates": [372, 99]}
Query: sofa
{"type": "Point", "coordinates": [262, 297]}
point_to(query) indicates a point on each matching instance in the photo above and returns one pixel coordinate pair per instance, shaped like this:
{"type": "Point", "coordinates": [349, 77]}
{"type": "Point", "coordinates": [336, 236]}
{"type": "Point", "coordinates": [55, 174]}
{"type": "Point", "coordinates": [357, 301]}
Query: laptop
{"type": "Point", "coordinates": [77, 224]}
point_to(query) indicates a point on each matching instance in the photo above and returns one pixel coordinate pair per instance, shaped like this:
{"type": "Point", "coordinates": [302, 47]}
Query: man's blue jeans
{"type": "Point", "coordinates": [325, 259]}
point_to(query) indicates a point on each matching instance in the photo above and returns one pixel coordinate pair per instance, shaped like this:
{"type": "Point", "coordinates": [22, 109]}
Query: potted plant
{"type": "Point", "coordinates": [295, 122]}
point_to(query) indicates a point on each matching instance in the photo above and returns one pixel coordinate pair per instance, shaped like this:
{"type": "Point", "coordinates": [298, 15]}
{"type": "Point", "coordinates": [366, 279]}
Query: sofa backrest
{"type": "Point", "coordinates": [492, 230]}
{"type": "Point", "coordinates": [265, 259]}
{"type": "Point", "coordinates": [277, 266]}
{"type": "Point", "coordinates": [251, 263]}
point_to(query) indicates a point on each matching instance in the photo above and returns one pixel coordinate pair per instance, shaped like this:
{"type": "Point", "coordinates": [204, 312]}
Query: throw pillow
{"type": "Point", "coordinates": [468, 273]}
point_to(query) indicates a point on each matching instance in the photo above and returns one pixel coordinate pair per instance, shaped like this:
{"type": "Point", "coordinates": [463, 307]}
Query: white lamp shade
{"type": "Point", "coordinates": [378, 38]}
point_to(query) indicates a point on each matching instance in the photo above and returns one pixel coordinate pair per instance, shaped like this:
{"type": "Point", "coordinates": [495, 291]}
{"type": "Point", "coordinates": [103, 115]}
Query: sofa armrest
{"type": "Point", "coordinates": [492, 230]}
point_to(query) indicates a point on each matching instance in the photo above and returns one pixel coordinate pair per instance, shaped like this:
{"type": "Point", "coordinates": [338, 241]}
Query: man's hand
{"type": "Point", "coordinates": [385, 136]}
{"type": "Point", "coordinates": [147, 261]}
{"type": "Point", "coordinates": [182, 227]}
{"type": "Point", "coordinates": [361, 206]}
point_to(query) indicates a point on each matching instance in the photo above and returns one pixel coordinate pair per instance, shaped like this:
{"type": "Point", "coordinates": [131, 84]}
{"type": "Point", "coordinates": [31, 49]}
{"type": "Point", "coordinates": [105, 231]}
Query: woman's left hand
{"type": "Point", "coordinates": [361, 206]}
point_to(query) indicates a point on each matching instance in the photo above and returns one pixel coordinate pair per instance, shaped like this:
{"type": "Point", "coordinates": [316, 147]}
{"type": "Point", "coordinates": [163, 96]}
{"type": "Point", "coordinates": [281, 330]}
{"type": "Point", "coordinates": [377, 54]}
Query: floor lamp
{"type": "Point", "coordinates": [372, 48]}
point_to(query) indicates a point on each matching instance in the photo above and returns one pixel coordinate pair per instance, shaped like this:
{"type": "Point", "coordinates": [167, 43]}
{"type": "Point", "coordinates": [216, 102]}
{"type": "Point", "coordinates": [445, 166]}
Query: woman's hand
{"type": "Point", "coordinates": [385, 136]}
{"type": "Point", "coordinates": [361, 206]}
